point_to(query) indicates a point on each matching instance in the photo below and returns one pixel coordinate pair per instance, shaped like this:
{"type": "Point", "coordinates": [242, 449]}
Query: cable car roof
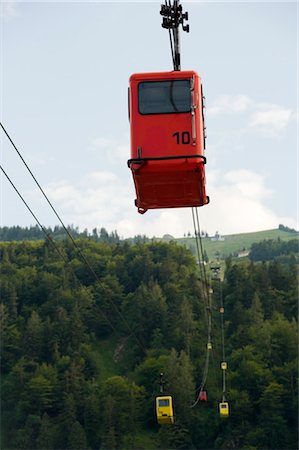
{"type": "Point", "coordinates": [163, 75]}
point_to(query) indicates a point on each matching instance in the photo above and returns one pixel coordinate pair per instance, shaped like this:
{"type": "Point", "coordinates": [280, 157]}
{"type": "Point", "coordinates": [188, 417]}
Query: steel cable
{"type": "Point", "coordinates": [85, 261]}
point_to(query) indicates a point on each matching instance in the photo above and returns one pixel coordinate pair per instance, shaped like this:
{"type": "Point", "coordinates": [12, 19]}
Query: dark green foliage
{"type": "Point", "coordinates": [174, 437]}
{"type": "Point", "coordinates": [18, 233]}
{"type": "Point", "coordinates": [76, 438]}
{"type": "Point", "coordinates": [270, 249]}
{"type": "Point", "coordinates": [63, 389]}
{"type": "Point", "coordinates": [121, 411]}
{"type": "Point", "coordinates": [46, 436]}
{"type": "Point", "coordinates": [147, 310]}
{"type": "Point", "coordinates": [287, 229]}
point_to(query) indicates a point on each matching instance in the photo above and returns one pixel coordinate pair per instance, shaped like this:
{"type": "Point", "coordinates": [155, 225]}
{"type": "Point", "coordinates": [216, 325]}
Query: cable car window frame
{"type": "Point", "coordinates": [170, 85]}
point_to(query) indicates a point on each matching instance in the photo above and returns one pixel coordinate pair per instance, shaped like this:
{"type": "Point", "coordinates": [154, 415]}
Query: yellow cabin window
{"type": "Point", "coordinates": [163, 402]}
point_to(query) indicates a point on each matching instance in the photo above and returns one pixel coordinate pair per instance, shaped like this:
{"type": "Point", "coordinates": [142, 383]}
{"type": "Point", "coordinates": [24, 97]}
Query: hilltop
{"type": "Point", "coordinates": [236, 245]}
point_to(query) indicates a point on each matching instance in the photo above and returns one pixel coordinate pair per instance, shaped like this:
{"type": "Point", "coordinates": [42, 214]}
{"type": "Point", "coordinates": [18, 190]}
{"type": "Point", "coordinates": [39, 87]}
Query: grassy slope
{"type": "Point", "coordinates": [235, 243]}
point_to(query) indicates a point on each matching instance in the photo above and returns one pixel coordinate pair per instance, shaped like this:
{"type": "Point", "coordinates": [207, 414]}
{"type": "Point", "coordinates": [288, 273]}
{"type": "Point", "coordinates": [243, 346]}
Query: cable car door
{"type": "Point", "coordinates": [167, 122]}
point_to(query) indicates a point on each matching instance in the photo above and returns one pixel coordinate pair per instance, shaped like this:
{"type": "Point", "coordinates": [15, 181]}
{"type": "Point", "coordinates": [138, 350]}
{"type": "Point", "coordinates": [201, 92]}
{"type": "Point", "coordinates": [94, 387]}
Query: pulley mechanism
{"type": "Point", "coordinates": [173, 17]}
{"type": "Point", "coordinates": [162, 382]}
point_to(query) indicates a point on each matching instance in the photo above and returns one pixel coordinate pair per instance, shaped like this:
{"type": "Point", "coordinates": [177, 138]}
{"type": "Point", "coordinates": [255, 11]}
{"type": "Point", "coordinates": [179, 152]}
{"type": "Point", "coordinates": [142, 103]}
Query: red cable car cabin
{"type": "Point", "coordinates": [167, 140]}
{"type": "Point", "coordinates": [203, 396]}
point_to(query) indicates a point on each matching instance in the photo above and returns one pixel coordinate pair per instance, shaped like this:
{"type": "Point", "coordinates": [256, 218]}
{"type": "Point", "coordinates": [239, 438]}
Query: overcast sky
{"type": "Point", "coordinates": [64, 78]}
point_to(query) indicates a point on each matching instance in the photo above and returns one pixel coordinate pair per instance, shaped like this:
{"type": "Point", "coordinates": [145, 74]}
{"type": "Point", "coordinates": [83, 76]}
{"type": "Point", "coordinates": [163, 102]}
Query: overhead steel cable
{"type": "Point", "coordinates": [217, 277]}
{"type": "Point", "coordinates": [200, 257]}
{"type": "Point", "coordinates": [222, 321]}
{"type": "Point", "coordinates": [207, 300]}
{"type": "Point", "coordinates": [202, 252]}
{"type": "Point", "coordinates": [51, 240]}
{"type": "Point", "coordinates": [171, 48]}
{"type": "Point", "coordinates": [222, 342]}
{"type": "Point", "coordinates": [197, 247]}
{"type": "Point", "coordinates": [40, 188]}
{"type": "Point", "coordinates": [86, 262]}
{"type": "Point", "coordinates": [49, 237]}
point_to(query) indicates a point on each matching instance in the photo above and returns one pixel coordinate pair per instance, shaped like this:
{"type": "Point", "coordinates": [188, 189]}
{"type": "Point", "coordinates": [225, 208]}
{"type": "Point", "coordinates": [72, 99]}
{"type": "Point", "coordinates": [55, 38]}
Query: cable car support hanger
{"type": "Point", "coordinates": [173, 17]}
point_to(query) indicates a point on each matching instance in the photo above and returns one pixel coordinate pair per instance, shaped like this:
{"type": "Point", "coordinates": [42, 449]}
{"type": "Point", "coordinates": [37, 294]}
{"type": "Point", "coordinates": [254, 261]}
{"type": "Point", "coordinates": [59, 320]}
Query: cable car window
{"type": "Point", "coordinates": [164, 97]}
{"type": "Point", "coordinates": [164, 402]}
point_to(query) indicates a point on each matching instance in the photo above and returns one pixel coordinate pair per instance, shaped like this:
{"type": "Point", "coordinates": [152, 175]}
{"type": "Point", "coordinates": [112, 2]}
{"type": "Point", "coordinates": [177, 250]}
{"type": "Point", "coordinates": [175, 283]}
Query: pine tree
{"type": "Point", "coordinates": [76, 437]}
{"type": "Point", "coordinates": [92, 418]}
{"type": "Point", "coordinates": [46, 437]}
{"type": "Point", "coordinates": [180, 380]}
{"type": "Point", "coordinates": [33, 337]}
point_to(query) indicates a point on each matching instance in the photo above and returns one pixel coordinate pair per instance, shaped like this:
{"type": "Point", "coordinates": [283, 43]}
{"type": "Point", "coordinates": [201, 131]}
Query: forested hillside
{"type": "Point", "coordinates": [83, 345]}
{"type": "Point", "coordinates": [17, 233]}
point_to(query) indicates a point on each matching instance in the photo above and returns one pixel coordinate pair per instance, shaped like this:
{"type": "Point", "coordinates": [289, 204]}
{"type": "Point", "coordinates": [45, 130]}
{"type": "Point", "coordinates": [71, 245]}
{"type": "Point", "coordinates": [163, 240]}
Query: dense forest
{"type": "Point", "coordinates": [270, 249]}
{"type": "Point", "coordinates": [84, 341]}
{"type": "Point", "coordinates": [17, 233]}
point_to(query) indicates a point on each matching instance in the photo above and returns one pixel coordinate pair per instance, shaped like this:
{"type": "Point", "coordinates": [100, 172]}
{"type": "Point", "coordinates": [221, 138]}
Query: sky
{"type": "Point", "coordinates": [64, 78]}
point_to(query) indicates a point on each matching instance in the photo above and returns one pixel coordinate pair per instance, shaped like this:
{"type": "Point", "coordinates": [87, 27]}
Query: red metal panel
{"type": "Point", "coordinates": [175, 180]}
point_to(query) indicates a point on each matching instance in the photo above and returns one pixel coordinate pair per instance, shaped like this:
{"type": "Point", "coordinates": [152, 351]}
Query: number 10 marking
{"type": "Point", "coordinates": [183, 137]}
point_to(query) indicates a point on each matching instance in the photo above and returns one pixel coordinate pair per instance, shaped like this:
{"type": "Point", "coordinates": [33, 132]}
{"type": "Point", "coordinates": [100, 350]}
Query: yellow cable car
{"type": "Point", "coordinates": [164, 409]}
{"type": "Point", "coordinates": [224, 409]}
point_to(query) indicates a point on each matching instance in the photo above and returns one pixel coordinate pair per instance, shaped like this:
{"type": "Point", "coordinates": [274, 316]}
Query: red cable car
{"type": "Point", "coordinates": [203, 396]}
{"type": "Point", "coordinates": [167, 140]}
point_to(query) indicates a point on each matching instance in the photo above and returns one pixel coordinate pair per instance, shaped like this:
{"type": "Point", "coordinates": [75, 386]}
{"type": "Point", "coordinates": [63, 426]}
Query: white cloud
{"type": "Point", "coordinates": [247, 184]}
{"type": "Point", "coordinates": [270, 119]}
{"type": "Point", "coordinates": [238, 204]}
{"type": "Point", "coordinates": [267, 119]}
{"type": "Point", "coordinates": [156, 222]}
{"type": "Point", "coordinates": [98, 199]}
{"type": "Point", "coordinates": [101, 199]}
{"type": "Point", "coordinates": [111, 149]}
{"type": "Point", "coordinates": [100, 178]}
{"type": "Point", "coordinates": [227, 104]}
